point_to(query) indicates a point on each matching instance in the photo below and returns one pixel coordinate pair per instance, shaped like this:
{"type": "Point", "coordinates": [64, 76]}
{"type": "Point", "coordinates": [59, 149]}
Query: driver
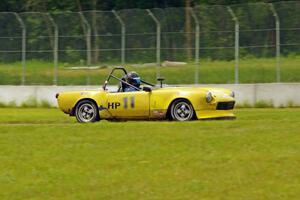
{"type": "Point", "coordinates": [133, 79]}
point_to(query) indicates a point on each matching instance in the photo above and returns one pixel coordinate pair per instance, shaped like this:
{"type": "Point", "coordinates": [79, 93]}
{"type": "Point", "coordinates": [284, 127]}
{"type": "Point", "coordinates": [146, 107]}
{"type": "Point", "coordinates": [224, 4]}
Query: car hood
{"type": "Point", "coordinates": [196, 88]}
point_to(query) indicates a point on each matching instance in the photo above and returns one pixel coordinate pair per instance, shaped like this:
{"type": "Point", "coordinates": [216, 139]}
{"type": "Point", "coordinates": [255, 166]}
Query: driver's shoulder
{"type": "Point", "coordinates": [130, 89]}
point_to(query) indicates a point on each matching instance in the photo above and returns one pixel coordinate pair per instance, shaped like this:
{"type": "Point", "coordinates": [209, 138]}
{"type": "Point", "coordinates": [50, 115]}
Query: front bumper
{"type": "Point", "coordinates": [215, 114]}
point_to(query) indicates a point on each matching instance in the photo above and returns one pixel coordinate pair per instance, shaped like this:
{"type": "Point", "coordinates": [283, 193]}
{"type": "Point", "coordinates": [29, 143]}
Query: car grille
{"type": "Point", "coordinates": [225, 105]}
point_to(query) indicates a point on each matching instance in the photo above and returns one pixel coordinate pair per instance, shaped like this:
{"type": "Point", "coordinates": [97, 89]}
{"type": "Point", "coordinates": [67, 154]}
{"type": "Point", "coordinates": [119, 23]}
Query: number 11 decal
{"type": "Point", "coordinates": [126, 102]}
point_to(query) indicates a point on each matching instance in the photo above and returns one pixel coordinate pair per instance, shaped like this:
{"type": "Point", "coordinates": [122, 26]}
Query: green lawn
{"type": "Point", "coordinates": [45, 154]}
{"type": "Point", "coordinates": [252, 70]}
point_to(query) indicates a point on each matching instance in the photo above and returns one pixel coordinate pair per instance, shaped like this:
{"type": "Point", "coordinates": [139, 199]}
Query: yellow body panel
{"type": "Point", "coordinates": [128, 104]}
{"type": "Point", "coordinates": [148, 105]}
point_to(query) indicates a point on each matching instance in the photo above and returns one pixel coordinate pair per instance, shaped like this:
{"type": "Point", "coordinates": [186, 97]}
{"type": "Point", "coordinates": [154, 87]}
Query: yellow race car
{"type": "Point", "coordinates": [137, 99]}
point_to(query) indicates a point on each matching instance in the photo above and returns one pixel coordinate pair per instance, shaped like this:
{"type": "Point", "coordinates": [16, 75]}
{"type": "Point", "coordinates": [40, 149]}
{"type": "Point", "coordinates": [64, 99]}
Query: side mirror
{"type": "Point", "coordinates": [147, 89]}
{"type": "Point", "coordinates": [161, 79]}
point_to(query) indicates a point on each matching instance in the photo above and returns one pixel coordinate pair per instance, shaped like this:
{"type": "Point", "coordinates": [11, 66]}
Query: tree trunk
{"type": "Point", "coordinates": [79, 5]}
{"type": "Point", "coordinates": [95, 31]}
{"type": "Point", "coordinates": [187, 29]}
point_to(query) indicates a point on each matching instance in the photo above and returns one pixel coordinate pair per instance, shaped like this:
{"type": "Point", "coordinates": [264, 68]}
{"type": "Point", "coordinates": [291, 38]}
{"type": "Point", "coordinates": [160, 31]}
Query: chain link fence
{"type": "Point", "coordinates": [246, 43]}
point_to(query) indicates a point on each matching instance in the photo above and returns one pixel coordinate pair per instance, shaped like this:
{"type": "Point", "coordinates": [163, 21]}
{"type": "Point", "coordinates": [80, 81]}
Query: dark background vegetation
{"type": "Point", "coordinates": [257, 37]}
{"type": "Point", "coordinates": [79, 5]}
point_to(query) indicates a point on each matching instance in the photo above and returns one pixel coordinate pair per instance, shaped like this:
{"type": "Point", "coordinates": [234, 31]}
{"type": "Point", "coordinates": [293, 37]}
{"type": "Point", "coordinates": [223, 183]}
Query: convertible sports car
{"type": "Point", "coordinates": [147, 102]}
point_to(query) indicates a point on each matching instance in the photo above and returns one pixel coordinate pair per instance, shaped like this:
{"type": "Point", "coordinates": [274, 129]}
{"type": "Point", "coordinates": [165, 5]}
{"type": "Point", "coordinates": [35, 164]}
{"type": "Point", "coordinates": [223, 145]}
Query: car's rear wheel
{"type": "Point", "coordinates": [181, 110]}
{"type": "Point", "coordinates": [86, 111]}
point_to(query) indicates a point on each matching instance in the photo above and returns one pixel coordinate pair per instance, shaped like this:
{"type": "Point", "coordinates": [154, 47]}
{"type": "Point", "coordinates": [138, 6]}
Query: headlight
{"type": "Point", "coordinates": [232, 94]}
{"type": "Point", "coordinates": [209, 97]}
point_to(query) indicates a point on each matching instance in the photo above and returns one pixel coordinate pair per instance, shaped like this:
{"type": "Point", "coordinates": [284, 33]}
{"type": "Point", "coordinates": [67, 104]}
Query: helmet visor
{"type": "Point", "coordinates": [137, 80]}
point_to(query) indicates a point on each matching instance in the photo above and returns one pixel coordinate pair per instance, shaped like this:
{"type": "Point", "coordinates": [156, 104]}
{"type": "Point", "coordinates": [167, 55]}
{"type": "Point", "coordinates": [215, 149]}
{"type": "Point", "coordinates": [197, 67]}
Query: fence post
{"type": "Point", "coordinates": [277, 42]}
{"type": "Point", "coordinates": [158, 42]}
{"type": "Point", "coordinates": [87, 30]}
{"type": "Point", "coordinates": [22, 25]}
{"type": "Point", "coordinates": [236, 44]}
{"type": "Point", "coordinates": [123, 32]}
{"type": "Point", "coordinates": [197, 45]}
{"type": "Point", "coordinates": [55, 49]}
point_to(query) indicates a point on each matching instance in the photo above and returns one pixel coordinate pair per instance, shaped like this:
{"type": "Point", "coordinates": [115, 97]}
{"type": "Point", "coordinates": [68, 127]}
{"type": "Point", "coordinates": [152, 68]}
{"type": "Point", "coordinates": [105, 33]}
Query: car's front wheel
{"type": "Point", "coordinates": [181, 110]}
{"type": "Point", "coordinates": [86, 111]}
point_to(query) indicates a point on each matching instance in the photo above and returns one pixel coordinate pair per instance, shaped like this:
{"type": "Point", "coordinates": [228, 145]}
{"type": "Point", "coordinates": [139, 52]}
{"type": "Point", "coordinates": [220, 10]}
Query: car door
{"type": "Point", "coordinates": [131, 105]}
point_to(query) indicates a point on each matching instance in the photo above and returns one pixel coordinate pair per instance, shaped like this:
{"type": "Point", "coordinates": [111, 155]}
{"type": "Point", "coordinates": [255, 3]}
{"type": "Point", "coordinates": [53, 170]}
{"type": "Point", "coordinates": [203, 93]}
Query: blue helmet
{"type": "Point", "coordinates": [134, 79]}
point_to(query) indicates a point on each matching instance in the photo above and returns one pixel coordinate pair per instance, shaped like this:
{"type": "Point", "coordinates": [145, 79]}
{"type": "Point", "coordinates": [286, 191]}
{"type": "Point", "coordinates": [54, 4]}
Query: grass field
{"type": "Point", "coordinates": [45, 154]}
{"type": "Point", "coordinates": [252, 70]}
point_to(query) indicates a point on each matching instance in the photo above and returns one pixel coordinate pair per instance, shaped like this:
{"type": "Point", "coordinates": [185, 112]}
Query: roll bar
{"type": "Point", "coordinates": [125, 72]}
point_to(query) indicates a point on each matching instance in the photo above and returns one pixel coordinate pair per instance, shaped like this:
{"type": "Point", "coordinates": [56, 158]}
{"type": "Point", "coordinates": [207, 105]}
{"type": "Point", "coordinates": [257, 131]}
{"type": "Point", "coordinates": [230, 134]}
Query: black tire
{"type": "Point", "coordinates": [86, 111]}
{"type": "Point", "coordinates": [181, 110]}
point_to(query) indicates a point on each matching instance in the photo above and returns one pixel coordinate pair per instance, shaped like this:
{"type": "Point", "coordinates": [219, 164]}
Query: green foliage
{"type": "Point", "coordinates": [291, 104]}
{"type": "Point", "coordinates": [263, 104]}
{"type": "Point", "coordinates": [30, 102]}
{"type": "Point", "coordinates": [12, 104]}
{"type": "Point", "coordinates": [72, 55]}
{"type": "Point", "coordinates": [266, 104]}
{"type": "Point", "coordinates": [2, 105]}
{"type": "Point", "coordinates": [44, 104]}
{"type": "Point", "coordinates": [56, 5]}
{"type": "Point", "coordinates": [45, 154]}
{"type": "Point", "coordinates": [244, 104]}
{"type": "Point", "coordinates": [257, 34]}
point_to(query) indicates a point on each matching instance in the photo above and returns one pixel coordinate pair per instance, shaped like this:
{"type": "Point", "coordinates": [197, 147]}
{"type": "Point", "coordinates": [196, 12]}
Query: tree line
{"type": "Point", "coordinates": [217, 37]}
{"type": "Point", "coordinates": [81, 5]}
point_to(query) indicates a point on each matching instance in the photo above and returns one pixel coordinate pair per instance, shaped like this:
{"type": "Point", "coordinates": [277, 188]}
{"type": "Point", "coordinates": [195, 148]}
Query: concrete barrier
{"type": "Point", "coordinates": [279, 94]}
